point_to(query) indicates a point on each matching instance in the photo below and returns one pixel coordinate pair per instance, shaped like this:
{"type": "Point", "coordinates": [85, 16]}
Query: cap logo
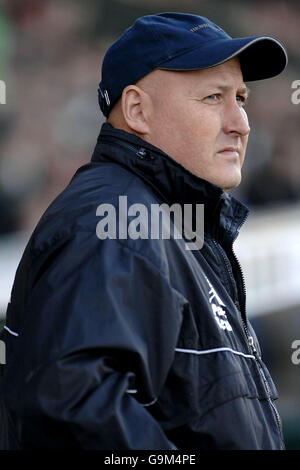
{"type": "Point", "coordinates": [106, 97]}
{"type": "Point", "coordinates": [205, 25]}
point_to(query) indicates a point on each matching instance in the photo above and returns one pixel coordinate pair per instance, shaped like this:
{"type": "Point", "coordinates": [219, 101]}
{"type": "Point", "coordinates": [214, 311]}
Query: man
{"type": "Point", "coordinates": [118, 337]}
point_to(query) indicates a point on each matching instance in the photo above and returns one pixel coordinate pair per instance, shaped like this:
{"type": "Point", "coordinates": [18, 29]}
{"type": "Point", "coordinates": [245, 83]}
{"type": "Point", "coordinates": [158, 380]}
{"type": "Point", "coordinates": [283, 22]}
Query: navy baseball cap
{"type": "Point", "coordinates": [181, 41]}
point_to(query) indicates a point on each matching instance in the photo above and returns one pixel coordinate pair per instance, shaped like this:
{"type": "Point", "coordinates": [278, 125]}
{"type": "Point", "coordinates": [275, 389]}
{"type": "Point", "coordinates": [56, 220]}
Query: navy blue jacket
{"type": "Point", "coordinates": [127, 343]}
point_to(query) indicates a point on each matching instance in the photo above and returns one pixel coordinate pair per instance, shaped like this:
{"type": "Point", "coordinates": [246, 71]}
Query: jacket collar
{"type": "Point", "coordinates": [223, 213]}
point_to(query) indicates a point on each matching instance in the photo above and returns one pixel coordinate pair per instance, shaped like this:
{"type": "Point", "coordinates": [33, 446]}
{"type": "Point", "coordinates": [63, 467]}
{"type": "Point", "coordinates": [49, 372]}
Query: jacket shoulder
{"type": "Point", "coordinates": [93, 184]}
{"type": "Point", "coordinates": [77, 209]}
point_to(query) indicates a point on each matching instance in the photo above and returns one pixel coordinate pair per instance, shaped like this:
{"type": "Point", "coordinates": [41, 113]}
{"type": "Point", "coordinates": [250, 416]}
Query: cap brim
{"type": "Point", "coordinates": [260, 57]}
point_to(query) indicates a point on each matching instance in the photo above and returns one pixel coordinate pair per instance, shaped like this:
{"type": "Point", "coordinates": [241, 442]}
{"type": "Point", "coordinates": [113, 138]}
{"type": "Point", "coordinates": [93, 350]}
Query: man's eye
{"type": "Point", "coordinates": [241, 99]}
{"type": "Point", "coordinates": [213, 97]}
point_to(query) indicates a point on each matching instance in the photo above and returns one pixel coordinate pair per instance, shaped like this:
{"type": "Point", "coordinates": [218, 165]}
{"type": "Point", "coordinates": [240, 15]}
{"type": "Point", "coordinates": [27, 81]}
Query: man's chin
{"type": "Point", "coordinates": [230, 183]}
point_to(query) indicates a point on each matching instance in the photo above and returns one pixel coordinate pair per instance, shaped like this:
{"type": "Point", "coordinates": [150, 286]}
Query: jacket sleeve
{"type": "Point", "coordinates": [100, 337]}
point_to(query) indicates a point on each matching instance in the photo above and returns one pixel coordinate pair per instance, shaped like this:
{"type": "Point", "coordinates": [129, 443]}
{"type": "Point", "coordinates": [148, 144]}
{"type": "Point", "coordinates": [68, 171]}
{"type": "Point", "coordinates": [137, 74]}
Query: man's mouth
{"type": "Point", "coordinates": [229, 152]}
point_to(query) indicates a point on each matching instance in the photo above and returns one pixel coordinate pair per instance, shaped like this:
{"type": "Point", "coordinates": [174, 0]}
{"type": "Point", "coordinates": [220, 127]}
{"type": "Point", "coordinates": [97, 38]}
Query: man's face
{"type": "Point", "coordinates": [198, 119]}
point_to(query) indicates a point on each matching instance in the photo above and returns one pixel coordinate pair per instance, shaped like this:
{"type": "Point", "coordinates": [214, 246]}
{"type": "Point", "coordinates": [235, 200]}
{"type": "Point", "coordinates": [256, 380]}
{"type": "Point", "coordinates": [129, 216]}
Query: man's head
{"type": "Point", "coordinates": [182, 89]}
{"type": "Point", "coordinates": [196, 117]}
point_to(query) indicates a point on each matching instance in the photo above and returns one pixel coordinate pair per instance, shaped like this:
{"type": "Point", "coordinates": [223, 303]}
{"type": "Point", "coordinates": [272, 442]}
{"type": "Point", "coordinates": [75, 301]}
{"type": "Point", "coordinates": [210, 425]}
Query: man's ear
{"type": "Point", "coordinates": [135, 107]}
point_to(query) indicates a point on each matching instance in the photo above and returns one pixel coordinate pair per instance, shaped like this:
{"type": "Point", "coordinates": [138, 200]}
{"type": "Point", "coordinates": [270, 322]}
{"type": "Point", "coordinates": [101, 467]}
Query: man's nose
{"type": "Point", "coordinates": [236, 120]}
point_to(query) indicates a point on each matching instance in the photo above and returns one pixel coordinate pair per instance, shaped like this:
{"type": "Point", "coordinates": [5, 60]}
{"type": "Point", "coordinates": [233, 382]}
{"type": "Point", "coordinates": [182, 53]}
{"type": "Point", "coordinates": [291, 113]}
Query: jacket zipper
{"type": "Point", "coordinates": [249, 339]}
{"type": "Point", "coordinates": [260, 367]}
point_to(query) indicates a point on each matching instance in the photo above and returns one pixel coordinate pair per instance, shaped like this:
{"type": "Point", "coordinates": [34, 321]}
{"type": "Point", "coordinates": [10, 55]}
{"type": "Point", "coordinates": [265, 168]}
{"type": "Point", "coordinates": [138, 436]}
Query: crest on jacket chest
{"type": "Point", "coordinates": [218, 308]}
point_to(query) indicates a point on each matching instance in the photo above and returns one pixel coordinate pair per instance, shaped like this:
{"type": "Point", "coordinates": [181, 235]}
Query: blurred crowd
{"type": "Point", "coordinates": [50, 60]}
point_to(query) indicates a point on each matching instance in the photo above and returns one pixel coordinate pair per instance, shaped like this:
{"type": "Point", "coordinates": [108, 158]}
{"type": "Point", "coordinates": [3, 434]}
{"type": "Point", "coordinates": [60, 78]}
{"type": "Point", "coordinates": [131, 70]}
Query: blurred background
{"type": "Point", "coordinates": [50, 58]}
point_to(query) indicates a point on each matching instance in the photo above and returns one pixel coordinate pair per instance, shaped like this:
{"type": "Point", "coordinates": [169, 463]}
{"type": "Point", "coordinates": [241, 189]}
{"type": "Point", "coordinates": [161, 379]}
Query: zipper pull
{"type": "Point", "coordinates": [251, 343]}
